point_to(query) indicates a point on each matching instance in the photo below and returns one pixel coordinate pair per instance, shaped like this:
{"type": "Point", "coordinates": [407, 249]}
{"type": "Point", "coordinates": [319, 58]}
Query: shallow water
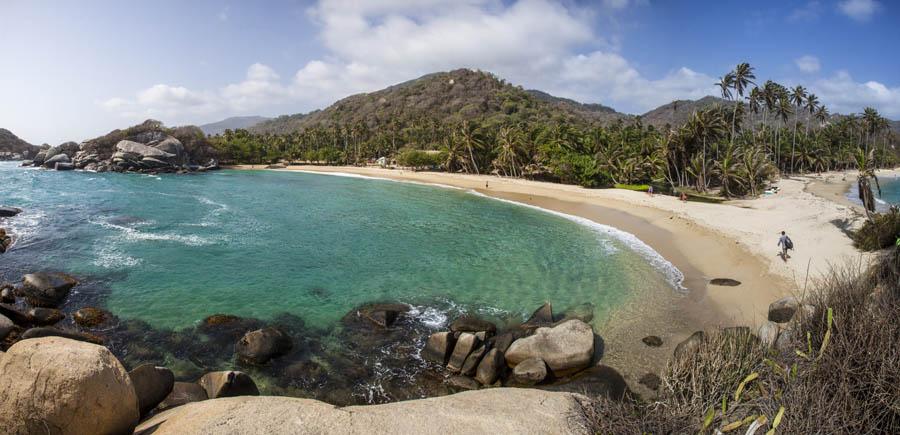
{"type": "Point", "coordinates": [301, 251]}
{"type": "Point", "coordinates": [890, 193]}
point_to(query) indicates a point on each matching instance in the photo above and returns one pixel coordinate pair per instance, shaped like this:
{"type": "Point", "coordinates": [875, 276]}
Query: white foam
{"type": "Point", "coordinates": [109, 258]}
{"type": "Point", "coordinates": [133, 234]}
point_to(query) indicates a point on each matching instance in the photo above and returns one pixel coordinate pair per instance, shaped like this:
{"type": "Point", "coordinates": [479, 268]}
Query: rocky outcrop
{"type": "Point", "coordinates": [466, 343]}
{"type": "Point", "coordinates": [495, 410]}
{"type": "Point", "coordinates": [55, 385]}
{"type": "Point", "coordinates": [491, 367]}
{"type": "Point", "coordinates": [44, 289]}
{"type": "Point", "coordinates": [529, 372]}
{"type": "Point", "coordinates": [566, 348]}
{"type": "Point", "coordinates": [472, 324]}
{"type": "Point", "coordinates": [261, 345]}
{"type": "Point", "coordinates": [439, 346]}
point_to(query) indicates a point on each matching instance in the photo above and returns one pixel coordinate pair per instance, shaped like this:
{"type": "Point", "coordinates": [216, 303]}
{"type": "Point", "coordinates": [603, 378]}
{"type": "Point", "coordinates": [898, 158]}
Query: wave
{"type": "Point", "coordinates": [109, 258]}
{"type": "Point", "coordinates": [369, 177]}
{"type": "Point", "coordinates": [133, 234]}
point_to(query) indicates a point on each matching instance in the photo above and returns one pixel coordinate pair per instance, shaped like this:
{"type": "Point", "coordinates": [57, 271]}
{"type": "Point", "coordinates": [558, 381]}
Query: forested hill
{"type": "Point", "coordinates": [10, 143]}
{"type": "Point", "coordinates": [445, 97]}
{"type": "Point", "coordinates": [232, 123]}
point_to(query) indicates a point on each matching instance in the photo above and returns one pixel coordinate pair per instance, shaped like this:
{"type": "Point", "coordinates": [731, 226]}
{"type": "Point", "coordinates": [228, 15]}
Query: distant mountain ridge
{"type": "Point", "coordinates": [11, 144]}
{"type": "Point", "coordinates": [465, 94]}
{"type": "Point", "coordinates": [233, 123]}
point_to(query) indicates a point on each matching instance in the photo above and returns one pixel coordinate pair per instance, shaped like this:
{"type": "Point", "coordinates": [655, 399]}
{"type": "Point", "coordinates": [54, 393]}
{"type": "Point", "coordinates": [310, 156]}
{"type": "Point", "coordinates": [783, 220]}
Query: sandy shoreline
{"type": "Point", "coordinates": [734, 240]}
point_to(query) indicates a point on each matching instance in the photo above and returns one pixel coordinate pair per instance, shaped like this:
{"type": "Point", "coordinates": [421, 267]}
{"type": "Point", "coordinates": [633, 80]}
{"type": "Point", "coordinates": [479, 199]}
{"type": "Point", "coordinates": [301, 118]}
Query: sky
{"type": "Point", "coordinates": [76, 70]}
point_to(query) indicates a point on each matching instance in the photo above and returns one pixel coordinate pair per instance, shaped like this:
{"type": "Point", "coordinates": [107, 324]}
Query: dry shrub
{"type": "Point", "coordinates": [837, 378]}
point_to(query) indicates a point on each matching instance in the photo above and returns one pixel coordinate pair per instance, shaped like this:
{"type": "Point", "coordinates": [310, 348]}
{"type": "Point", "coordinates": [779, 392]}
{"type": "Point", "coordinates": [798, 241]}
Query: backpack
{"type": "Point", "coordinates": [788, 243]}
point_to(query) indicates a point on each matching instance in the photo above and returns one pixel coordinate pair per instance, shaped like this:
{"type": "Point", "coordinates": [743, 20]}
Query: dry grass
{"type": "Point", "coordinates": [842, 378]}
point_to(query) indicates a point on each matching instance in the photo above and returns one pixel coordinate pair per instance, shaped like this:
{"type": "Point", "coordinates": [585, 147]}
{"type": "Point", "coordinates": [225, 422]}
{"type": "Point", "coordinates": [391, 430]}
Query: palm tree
{"type": "Point", "coordinates": [782, 111]}
{"type": "Point", "coordinates": [812, 103]}
{"type": "Point", "coordinates": [508, 160]}
{"type": "Point", "coordinates": [797, 97]}
{"type": "Point", "coordinates": [728, 170]}
{"type": "Point", "coordinates": [742, 77]}
{"type": "Point", "coordinates": [866, 168]}
{"type": "Point", "coordinates": [471, 140]}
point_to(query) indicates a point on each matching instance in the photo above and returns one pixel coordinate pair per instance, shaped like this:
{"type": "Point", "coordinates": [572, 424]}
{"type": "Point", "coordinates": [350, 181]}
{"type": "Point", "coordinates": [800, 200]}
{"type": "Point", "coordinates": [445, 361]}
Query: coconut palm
{"type": "Point", "coordinates": [797, 97]}
{"type": "Point", "coordinates": [865, 166]}
{"type": "Point", "coordinates": [811, 105]}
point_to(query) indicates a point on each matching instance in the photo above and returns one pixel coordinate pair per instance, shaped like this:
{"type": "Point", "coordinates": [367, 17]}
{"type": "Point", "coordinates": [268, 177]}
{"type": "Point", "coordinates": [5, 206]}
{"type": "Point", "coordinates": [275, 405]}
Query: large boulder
{"type": "Point", "coordinates": [494, 410]}
{"type": "Point", "coordinates": [782, 310]}
{"type": "Point", "coordinates": [261, 345]}
{"type": "Point", "coordinates": [68, 149]}
{"type": "Point", "coordinates": [466, 343]}
{"type": "Point", "coordinates": [228, 384]}
{"type": "Point", "coordinates": [599, 380]}
{"type": "Point", "coordinates": [57, 159]}
{"type": "Point", "coordinates": [9, 211]}
{"type": "Point", "coordinates": [529, 372]}
{"type": "Point", "coordinates": [43, 289]}
{"type": "Point", "coordinates": [127, 147]}
{"type": "Point", "coordinates": [380, 315]}
{"type": "Point", "coordinates": [15, 314]}
{"type": "Point", "coordinates": [60, 386]}
{"type": "Point", "coordinates": [491, 367]}
{"type": "Point", "coordinates": [45, 316]}
{"type": "Point", "coordinates": [170, 145]}
{"type": "Point", "coordinates": [152, 384]}
{"type": "Point", "coordinates": [471, 365]}
{"type": "Point", "coordinates": [566, 348]}
{"type": "Point", "coordinates": [439, 346]}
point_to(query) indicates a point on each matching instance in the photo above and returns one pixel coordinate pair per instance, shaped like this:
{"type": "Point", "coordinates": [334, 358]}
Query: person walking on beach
{"type": "Point", "coordinates": [786, 243]}
{"type": "Point", "coordinates": [650, 190]}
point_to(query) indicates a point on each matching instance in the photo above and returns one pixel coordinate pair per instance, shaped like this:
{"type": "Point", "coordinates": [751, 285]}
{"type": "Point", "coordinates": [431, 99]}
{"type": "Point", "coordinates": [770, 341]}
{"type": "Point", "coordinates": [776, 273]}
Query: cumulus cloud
{"type": "Point", "coordinates": [808, 64]}
{"type": "Point", "coordinates": [845, 95]}
{"type": "Point", "coordinates": [859, 10]}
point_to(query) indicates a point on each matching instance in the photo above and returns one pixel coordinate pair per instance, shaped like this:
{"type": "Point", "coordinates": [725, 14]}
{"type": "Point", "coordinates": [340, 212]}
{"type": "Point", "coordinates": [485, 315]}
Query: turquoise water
{"type": "Point", "coordinates": [890, 192]}
{"type": "Point", "coordinates": [171, 250]}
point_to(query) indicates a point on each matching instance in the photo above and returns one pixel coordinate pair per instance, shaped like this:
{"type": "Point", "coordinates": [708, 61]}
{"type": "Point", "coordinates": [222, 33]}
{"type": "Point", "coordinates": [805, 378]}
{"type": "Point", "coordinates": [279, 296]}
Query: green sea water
{"type": "Point", "coordinates": [171, 250]}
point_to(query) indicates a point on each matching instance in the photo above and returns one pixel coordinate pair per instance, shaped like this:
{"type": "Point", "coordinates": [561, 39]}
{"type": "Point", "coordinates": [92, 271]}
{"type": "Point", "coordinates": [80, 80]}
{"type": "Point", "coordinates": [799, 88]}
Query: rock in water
{"type": "Point", "coordinates": [9, 211]}
{"type": "Point", "coordinates": [83, 389]}
{"type": "Point", "coordinates": [782, 310]}
{"type": "Point", "coordinates": [530, 372]}
{"type": "Point", "coordinates": [14, 314]}
{"type": "Point", "coordinates": [652, 341]}
{"type": "Point", "coordinates": [152, 384]}
{"type": "Point", "coordinates": [44, 289]}
{"type": "Point", "coordinates": [45, 316]}
{"type": "Point", "coordinates": [542, 316]}
{"type": "Point", "coordinates": [472, 324]}
{"type": "Point", "coordinates": [566, 348]}
{"type": "Point", "coordinates": [47, 331]}
{"type": "Point", "coordinates": [90, 317]}
{"type": "Point", "coordinates": [182, 393]}
{"type": "Point", "coordinates": [491, 367]}
{"type": "Point", "coordinates": [258, 347]}
{"type": "Point", "coordinates": [228, 384]}
{"type": "Point", "coordinates": [583, 312]}
{"type": "Point", "coordinates": [7, 295]}
{"type": "Point", "coordinates": [6, 326]}
{"type": "Point", "coordinates": [439, 346]}
{"type": "Point", "coordinates": [464, 346]}
{"type": "Point", "coordinates": [382, 315]}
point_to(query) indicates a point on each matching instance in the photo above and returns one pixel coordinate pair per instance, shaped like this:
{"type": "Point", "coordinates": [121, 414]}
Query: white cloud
{"type": "Point", "coordinates": [808, 12]}
{"type": "Point", "coordinates": [808, 64]}
{"type": "Point", "coordinates": [859, 10]}
{"type": "Point", "coordinates": [845, 95]}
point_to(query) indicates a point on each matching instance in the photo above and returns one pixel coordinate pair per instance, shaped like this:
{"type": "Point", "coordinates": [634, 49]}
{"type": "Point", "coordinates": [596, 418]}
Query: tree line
{"type": "Point", "coordinates": [732, 149]}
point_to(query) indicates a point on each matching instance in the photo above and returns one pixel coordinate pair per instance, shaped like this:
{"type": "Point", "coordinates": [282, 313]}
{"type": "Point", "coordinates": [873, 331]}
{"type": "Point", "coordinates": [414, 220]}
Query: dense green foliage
{"type": "Point", "coordinates": [881, 231]}
{"type": "Point", "coordinates": [490, 127]}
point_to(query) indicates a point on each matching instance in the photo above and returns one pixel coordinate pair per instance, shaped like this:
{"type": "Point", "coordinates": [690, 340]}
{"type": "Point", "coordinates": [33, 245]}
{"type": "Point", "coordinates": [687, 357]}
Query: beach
{"type": "Point", "coordinates": [736, 240]}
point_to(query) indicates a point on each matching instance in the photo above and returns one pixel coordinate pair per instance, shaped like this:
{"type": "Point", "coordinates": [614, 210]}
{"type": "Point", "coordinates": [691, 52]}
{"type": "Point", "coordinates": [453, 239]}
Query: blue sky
{"type": "Point", "coordinates": [75, 70]}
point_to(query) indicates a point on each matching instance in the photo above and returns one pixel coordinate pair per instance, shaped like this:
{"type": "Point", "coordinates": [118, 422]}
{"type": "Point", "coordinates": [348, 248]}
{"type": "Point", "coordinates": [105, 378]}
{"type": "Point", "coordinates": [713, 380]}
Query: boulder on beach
{"type": "Point", "coordinates": [61, 386]}
{"type": "Point", "coordinates": [152, 385]}
{"type": "Point", "coordinates": [439, 346]}
{"type": "Point", "coordinates": [566, 348]}
{"type": "Point", "coordinates": [652, 341]}
{"type": "Point", "coordinates": [782, 310]}
{"type": "Point", "coordinates": [530, 372]}
{"type": "Point", "coordinates": [651, 381]}
{"type": "Point", "coordinates": [228, 384]}
{"type": "Point", "coordinates": [599, 380]}
{"type": "Point", "coordinates": [768, 333]}
{"type": "Point", "coordinates": [183, 393]}
{"type": "Point", "coordinates": [43, 289]}
{"type": "Point", "coordinates": [261, 345]}
{"type": "Point", "coordinates": [492, 410]}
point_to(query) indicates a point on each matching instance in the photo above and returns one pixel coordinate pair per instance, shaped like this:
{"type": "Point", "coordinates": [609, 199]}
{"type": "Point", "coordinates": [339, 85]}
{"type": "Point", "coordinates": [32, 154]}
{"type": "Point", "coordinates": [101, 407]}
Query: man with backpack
{"type": "Point", "coordinates": [786, 243]}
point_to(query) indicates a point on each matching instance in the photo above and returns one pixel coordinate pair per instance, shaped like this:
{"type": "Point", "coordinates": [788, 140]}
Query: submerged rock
{"type": "Point", "coordinates": [261, 345]}
{"type": "Point", "coordinates": [228, 384]}
{"type": "Point", "coordinates": [583, 312]}
{"type": "Point", "coordinates": [83, 389]}
{"type": "Point", "coordinates": [566, 348]}
{"type": "Point", "coordinates": [542, 316]}
{"type": "Point", "coordinates": [152, 385]}
{"type": "Point", "coordinates": [90, 317]}
{"type": "Point", "coordinates": [381, 315]}
{"type": "Point", "coordinates": [44, 289]}
{"type": "Point", "coordinates": [45, 316]}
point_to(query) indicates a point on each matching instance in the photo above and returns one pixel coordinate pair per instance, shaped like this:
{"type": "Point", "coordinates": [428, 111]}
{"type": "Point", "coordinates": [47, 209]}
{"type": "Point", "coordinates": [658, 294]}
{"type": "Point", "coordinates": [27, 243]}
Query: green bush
{"type": "Point", "coordinates": [878, 233]}
{"type": "Point", "coordinates": [418, 159]}
{"type": "Point", "coordinates": [635, 187]}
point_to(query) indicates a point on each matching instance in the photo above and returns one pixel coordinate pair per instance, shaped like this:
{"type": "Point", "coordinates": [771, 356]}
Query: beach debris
{"type": "Point", "coordinates": [782, 310]}
{"type": "Point", "coordinates": [71, 374]}
{"type": "Point", "coordinates": [725, 282]}
{"type": "Point", "coordinates": [261, 345]}
{"type": "Point", "coordinates": [228, 384]}
{"type": "Point", "coordinates": [652, 341]}
{"type": "Point", "coordinates": [530, 372]}
{"type": "Point", "coordinates": [152, 384]}
{"type": "Point", "coordinates": [566, 348]}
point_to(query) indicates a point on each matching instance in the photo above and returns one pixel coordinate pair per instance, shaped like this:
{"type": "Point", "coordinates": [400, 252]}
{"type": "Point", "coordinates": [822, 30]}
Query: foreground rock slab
{"type": "Point", "coordinates": [495, 411]}
{"type": "Point", "coordinates": [61, 386]}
